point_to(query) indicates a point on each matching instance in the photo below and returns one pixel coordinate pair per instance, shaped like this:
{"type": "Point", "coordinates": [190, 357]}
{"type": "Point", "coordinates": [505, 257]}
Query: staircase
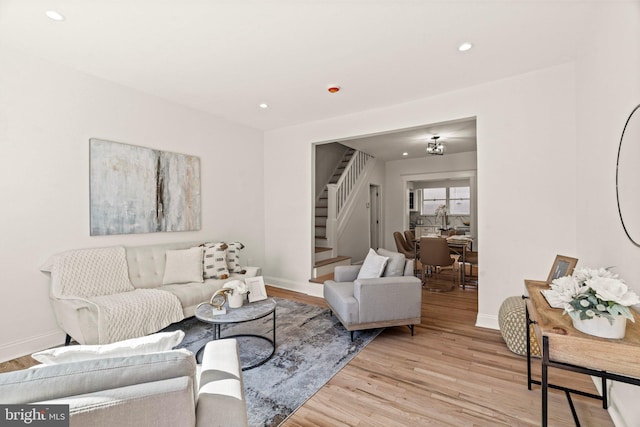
{"type": "Point", "coordinates": [340, 184]}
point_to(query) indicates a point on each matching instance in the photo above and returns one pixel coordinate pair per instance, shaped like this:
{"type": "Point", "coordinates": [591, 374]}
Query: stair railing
{"type": "Point", "coordinates": [338, 193]}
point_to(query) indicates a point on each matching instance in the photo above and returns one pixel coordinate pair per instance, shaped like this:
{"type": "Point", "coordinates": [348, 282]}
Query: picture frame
{"type": "Point", "coordinates": [257, 290]}
{"type": "Point", "coordinates": [562, 266]}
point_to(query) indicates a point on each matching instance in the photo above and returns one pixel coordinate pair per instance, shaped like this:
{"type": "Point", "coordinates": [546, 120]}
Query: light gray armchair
{"type": "Point", "coordinates": [395, 299]}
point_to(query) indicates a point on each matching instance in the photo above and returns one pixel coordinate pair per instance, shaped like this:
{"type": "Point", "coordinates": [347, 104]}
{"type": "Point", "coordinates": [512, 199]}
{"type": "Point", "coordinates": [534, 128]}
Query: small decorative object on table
{"type": "Point", "coordinates": [257, 289]}
{"type": "Point", "coordinates": [597, 301]}
{"type": "Point", "coordinates": [238, 290]}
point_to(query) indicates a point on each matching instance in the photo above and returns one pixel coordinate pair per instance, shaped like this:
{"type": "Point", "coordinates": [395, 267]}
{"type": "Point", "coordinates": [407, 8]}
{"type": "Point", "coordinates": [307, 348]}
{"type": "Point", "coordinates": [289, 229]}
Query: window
{"type": "Point", "coordinates": [432, 198]}
{"type": "Point", "coordinates": [457, 199]}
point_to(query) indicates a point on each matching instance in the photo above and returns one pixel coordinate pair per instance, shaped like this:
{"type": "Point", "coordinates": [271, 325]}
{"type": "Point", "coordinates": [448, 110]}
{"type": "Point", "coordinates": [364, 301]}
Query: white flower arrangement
{"type": "Point", "coordinates": [237, 286]}
{"type": "Point", "coordinates": [592, 293]}
{"type": "Point", "coordinates": [441, 211]}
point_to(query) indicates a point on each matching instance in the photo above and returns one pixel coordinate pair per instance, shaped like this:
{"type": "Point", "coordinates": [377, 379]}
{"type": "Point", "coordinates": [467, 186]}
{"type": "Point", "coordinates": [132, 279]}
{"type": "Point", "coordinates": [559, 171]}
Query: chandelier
{"type": "Point", "coordinates": [435, 147]}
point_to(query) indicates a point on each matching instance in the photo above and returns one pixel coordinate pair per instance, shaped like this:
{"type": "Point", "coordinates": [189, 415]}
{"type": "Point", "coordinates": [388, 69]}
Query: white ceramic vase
{"type": "Point", "coordinates": [601, 327]}
{"type": "Point", "coordinates": [235, 299]}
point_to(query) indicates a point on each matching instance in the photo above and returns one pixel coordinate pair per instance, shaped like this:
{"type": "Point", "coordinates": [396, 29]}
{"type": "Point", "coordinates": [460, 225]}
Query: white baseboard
{"type": "Point", "coordinates": [313, 289]}
{"type": "Point", "coordinates": [30, 345]}
{"type": "Point", "coordinates": [487, 321]}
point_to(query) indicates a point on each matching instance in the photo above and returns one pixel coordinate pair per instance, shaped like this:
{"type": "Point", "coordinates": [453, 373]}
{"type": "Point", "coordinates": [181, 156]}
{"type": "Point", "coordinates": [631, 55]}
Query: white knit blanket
{"type": "Point", "coordinates": [100, 277]}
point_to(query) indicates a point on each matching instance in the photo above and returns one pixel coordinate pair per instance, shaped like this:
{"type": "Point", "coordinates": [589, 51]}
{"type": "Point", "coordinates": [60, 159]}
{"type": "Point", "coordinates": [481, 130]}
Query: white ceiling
{"type": "Point", "coordinates": [457, 136]}
{"type": "Point", "coordinates": [227, 56]}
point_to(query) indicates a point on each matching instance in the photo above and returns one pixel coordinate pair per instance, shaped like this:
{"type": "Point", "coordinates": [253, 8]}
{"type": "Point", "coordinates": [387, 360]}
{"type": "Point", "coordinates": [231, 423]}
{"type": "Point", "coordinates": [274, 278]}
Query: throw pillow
{"type": "Point", "coordinates": [373, 266]}
{"type": "Point", "coordinates": [183, 266]}
{"type": "Point", "coordinates": [162, 341]}
{"type": "Point", "coordinates": [233, 257]}
{"type": "Point", "coordinates": [215, 261]}
{"type": "Point", "coordinates": [395, 264]}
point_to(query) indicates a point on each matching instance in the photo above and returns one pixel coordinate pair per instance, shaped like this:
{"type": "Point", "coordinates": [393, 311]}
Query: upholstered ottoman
{"type": "Point", "coordinates": [512, 319]}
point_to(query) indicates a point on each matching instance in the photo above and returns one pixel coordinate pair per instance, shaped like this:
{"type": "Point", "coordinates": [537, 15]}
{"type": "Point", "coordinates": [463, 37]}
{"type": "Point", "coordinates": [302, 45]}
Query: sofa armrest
{"type": "Point", "coordinates": [388, 298]}
{"type": "Point", "coordinates": [77, 317]}
{"type": "Point", "coordinates": [252, 271]}
{"type": "Point", "coordinates": [163, 403]}
{"type": "Point", "coordinates": [346, 273]}
{"type": "Point", "coordinates": [221, 399]}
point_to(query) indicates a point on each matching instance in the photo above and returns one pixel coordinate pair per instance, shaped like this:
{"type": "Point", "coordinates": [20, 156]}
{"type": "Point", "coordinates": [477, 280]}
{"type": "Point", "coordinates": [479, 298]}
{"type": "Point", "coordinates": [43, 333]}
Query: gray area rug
{"type": "Point", "coordinates": [311, 347]}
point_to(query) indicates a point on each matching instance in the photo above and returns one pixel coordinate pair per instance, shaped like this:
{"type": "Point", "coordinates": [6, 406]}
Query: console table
{"type": "Point", "coordinates": [564, 347]}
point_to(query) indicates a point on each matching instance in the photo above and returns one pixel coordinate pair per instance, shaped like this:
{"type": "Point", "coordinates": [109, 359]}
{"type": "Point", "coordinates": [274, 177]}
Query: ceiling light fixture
{"type": "Point", "coordinates": [263, 105]}
{"type": "Point", "coordinates": [465, 47]}
{"type": "Point", "coordinates": [333, 89]}
{"type": "Point", "coordinates": [56, 16]}
{"type": "Point", "coordinates": [405, 154]}
{"type": "Point", "coordinates": [435, 147]}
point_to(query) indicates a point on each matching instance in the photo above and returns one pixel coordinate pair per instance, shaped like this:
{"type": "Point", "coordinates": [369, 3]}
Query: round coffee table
{"type": "Point", "coordinates": [246, 313]}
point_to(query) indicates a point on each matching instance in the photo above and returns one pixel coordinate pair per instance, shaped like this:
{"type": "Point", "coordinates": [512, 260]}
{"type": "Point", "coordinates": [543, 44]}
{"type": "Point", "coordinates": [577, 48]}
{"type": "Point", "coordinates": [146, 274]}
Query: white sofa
{"type": "Point", "coordinates": [103, 295]}
{"type": "Point", "coordinates": [162, 389]}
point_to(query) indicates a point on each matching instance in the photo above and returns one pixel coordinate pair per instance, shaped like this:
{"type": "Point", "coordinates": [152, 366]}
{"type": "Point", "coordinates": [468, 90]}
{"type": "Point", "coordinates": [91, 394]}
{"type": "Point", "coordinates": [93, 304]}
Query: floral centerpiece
{"type": "Point", "coordinates": [238, 289]}
{"type": "Point", "coordinates": [441, 212]}
{"type": "Point", "coordinates": [598, 295]}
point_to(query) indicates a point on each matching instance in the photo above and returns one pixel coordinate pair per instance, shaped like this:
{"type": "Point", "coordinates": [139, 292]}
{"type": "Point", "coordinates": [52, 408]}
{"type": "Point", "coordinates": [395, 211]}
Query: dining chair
{"type": "Point", "coordinates": [402, 246]}
{"type": "Point", "coordinates": [435, 257]}
{"type": "Point", "coordinates": [410, 237]}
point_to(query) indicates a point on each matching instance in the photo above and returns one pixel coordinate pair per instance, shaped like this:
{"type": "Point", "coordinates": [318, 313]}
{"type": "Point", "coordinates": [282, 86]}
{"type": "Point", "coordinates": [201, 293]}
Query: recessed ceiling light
{"type": "Point", "coordinates": [405, 154]}
{"type": "Point", "coordinates": [465, 47]}
{"type": "Point", "coordinates": [54, 15]}
{"type": "Point", "coordinates": [263, 105]}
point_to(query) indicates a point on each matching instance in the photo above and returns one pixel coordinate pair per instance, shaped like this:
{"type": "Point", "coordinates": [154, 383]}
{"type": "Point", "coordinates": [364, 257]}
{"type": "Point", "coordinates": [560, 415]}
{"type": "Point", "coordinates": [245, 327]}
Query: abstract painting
{"type": "Point", "coordinates": [141, 190]}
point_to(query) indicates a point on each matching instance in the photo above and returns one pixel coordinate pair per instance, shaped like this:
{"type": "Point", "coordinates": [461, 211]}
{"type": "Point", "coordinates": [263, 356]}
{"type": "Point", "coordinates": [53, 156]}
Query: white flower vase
{"type": "Point", "coordinates": [235, 299]}
{"type": "Point", "coordinates": [601, 327]}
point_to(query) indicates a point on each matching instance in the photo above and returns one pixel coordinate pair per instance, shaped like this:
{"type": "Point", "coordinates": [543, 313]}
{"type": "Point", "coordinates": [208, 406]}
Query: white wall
{"type": "Point", "coordinates": [518, 181]}
{"type": "Point", "coordinates": [47, 115]}
{"type": "Point", "coordinates": [608, 88]}
{"type": "Point", "coordinates": [356, 238]}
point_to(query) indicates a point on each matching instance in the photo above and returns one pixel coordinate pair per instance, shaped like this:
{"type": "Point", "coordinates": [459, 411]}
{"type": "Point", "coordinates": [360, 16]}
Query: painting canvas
{"type": "Point", "coordinates": [142, 190]}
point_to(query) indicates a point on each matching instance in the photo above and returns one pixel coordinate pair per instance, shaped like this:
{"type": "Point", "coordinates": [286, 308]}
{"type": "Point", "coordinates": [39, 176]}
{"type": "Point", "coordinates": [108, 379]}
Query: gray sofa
{"type": "Point", "coordinates": [104, 295]}
{"type": "Point", "coordinates": [157, 389]}
{"type": "Point", "coordinates": [395, 299]}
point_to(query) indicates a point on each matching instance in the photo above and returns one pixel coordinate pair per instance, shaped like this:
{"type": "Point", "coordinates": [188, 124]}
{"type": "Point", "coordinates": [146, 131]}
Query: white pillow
{"type": "Point", "coordinates": [162, 341]}
{"type": "Point", "coordinates": [373, 266]}
{"type": "Point", "coordinates": [183, 266]}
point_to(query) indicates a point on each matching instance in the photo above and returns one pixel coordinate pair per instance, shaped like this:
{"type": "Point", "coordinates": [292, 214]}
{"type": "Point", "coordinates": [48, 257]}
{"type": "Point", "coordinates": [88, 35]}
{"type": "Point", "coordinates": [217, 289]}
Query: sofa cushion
{"type": "Point", "coordinates": [161, 341]}
{"type": "Point", "coordinates": [373, 266]}
{"type": "Point", "coordinates": [233, 257]}
{"type": "Point", "coordinates": [395, 264]}
{"type": "Point", "coordinates": [183, 266]}
{"type": "Point", "coordinates": [215, 261]}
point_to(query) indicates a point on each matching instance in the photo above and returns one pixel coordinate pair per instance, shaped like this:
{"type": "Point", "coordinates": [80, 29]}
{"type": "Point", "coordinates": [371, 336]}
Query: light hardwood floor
{"type": "Point", "coordinates": [448, 373]}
